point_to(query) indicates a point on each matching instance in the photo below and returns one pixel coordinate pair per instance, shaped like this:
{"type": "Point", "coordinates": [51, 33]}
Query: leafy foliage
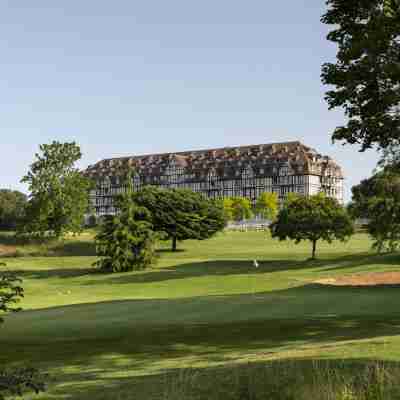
{"type": "Point", "coordinates": [181, 214]}
{"type": "Point", "coordinates": [59, 193]}
{"type": "Point", "coordinates": [227, 203]}
{"type": "Point", "coordinates": [267, 205]}
{"type": "Point", "coordinates": [12, 205]}
{"type": "Point", "coordinates": [237, 208]}
{"type": "Point", "coordinates": [15, 382]}
{"type": "Point", "coordinates": [378, 200]}
{"type": "Point", "coordinates": [312, 218]}
{"type": "Point", "coordinates": [390, 159]}
{"type": "Point", "coordinates": [366, 76]}
{"type": "Point", "coordinates": [126, 242]}
{"type": "Point", "coordinates": [10, 292]}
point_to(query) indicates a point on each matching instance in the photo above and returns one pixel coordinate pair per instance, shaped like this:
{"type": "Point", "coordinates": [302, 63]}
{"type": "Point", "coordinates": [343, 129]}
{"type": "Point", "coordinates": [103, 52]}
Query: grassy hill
{"type": "Point", "coordinates": [119, 336]}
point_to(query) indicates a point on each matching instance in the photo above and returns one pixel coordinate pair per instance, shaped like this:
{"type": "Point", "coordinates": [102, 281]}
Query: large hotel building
{"type": "Point", "coordinates": [231, 171]}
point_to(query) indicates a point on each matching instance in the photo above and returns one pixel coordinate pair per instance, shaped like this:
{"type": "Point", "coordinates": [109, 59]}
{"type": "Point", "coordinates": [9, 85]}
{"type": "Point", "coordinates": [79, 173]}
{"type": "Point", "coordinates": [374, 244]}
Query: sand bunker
{"type": "Point", "coordinates": [7, 250]}
{"type": "Point", "coordinates": [367, 279]}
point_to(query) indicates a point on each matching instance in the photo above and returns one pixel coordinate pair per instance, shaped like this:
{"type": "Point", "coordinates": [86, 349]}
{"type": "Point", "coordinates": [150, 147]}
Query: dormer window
{"type": "Point", "coordinates": [248, 172]}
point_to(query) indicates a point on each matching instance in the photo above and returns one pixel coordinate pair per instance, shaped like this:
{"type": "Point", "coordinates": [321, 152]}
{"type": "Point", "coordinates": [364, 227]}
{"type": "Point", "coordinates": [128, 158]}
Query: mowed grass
{"type": "Point", "coordinates": [119, 336]}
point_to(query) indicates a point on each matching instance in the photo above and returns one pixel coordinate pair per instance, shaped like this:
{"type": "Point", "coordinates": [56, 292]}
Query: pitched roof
{"type": "Point", "coordinates": [263, 158]}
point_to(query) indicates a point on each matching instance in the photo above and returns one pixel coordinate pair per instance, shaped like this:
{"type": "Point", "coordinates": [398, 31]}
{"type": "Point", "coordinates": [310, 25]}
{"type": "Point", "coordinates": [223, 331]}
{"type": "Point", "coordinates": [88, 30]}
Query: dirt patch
{"type": "Point", "coordinates": [368, 279]}
{"type": "Point", "coordinates": [7, 250]}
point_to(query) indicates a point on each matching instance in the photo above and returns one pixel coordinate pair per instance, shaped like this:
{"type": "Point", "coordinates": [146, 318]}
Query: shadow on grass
{"type": "Point", "coordinates": [74, 248]}
{"type": "Point", "coordinates": [199, 269]}
{"type": "Point", "coordinates": [148, 342]}
{"type": "Point", "coordinates": [237, 267]}
{"type": "Point", "coordinates": [55, 273]}
{"type": "Point", "coordinates": [144, 349]}
{"type": "Point", "coordinates": [167, 250]}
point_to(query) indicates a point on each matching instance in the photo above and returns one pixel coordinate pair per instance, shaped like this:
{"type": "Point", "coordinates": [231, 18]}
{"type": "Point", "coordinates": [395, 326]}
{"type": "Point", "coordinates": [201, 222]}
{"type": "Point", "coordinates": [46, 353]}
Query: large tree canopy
{"type": "Point", "coordinates": [378, 200]}
{"type": "Point", "coordinates": [366, 76]}
{"type": "Point", "coordinates": [59, 193]}
{"type": "Point", "coordinates": [12, 205]}
{"type": "Point", "coordinates": [312, 218]}
{"type": "Point", "coordinates": [181, 214]}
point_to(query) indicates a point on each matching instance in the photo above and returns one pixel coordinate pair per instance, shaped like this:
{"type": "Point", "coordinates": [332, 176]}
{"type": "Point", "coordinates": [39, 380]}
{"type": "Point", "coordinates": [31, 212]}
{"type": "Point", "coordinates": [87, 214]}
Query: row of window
{"type": "Point", "coordinates": [105, 205]}
{"type": "Point", "coordinates": [212, 183]}
{"type": "Point", "coordinates": [250, 192]}
{"type": "Point", "coordinates": [277, 173]}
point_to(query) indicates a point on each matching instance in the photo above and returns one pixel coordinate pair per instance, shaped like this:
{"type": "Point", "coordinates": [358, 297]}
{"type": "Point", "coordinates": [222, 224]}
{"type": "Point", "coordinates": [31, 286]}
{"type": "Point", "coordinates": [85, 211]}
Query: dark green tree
{"type": "Point", "coordinates": [12, 205]}
{"type": "Point", "coordinates": [366, 76]}
{"type": "Point", "coordinates": [15, 381]}
{"type": "Point", "coordinates": [181, 214]}
{"type": "Point", "coordinates": [59, 193]}
{"type": "Point", "coordinates": [312, 218]}
{"type": "Point", "coordinates": [10, 292]}
{"type": "Point", "coordinates": [126, 241]}
{"type": "Point", "coordinates": [378, 200]}
{"type": "Point", "coordinates": [390, 160]}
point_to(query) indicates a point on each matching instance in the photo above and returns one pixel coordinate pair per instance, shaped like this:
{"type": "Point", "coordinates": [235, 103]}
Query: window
{"type": "Point", "coordinates": [283, 171]}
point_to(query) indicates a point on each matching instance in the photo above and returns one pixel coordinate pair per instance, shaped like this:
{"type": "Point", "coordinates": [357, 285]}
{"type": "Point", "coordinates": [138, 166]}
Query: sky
{"type": "Point", "coordinates": [129, 77]}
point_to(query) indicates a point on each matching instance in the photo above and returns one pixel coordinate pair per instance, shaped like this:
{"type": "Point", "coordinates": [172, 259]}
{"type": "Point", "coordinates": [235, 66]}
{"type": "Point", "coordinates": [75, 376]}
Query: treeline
{"type": "Point", "coordinates": [12, 208]}
{"type": "Point", "coordinates": [58, 204]}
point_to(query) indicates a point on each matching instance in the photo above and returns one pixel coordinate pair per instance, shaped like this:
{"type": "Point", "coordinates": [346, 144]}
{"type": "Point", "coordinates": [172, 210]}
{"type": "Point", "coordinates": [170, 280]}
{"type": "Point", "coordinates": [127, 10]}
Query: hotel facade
{"type": "Point", "coordinates": [246, 171]}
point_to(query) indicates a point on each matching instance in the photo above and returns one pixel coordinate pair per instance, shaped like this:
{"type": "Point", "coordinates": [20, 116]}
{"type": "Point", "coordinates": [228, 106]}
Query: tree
{"type": "Point", "coordinates": [59, 193]}
{"type": "Point", "coordinates": [366, 77]}
{"type": "Point", "coordinates": [378, 200]}
{"type": "Point", "coordinates": [181, 214]}
{"type": "Point", "coordinates": [267, 205]}
{"type": "Point", "coordinates": [12, 205]}
{"type": "Point", "coordinates": [390, 160]}
{"type": "Point", "coordinates": [312, 218]}
{"type": "Point", "coordinates": [212, 217]}
{"type": "Point", "coordinates": [15, 381]}
{"type": "Point", "coordinates": [241, 208]}
{"type": "Point", "coordinates": [10, 292]}
{"type": "Point", "coordinates": [227, 205]}
{"type": "Point", "coordinates": [126, 242]}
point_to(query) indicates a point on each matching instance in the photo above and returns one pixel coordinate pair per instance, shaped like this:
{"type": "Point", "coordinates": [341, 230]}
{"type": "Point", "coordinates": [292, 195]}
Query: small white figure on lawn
{"type": "Point", "coordinates": [255, 263]}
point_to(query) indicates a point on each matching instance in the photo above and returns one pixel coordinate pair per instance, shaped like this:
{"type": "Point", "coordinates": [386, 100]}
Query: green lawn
{"type": "Point", "coordinates": [115, 336]}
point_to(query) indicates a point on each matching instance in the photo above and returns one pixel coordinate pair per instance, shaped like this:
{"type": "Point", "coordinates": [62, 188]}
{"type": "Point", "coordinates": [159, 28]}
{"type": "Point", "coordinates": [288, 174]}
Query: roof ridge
{"type": "Point", "coordinates": [206, 150]}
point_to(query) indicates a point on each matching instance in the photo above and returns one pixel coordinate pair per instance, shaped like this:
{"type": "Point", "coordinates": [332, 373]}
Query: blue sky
{"type": "Point", "coordinates": [128, 77]}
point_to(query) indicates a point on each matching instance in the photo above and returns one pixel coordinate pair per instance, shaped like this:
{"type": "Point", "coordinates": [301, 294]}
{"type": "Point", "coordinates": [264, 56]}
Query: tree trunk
{"type": "Point", "coordinates": [174, 242]}
{"type": "Point", "coordinates": [314, 248]}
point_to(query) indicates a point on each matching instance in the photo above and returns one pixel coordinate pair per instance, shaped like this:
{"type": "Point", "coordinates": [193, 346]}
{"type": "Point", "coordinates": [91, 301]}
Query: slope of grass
{"type": "Point", "coordinates": [104, 336]}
